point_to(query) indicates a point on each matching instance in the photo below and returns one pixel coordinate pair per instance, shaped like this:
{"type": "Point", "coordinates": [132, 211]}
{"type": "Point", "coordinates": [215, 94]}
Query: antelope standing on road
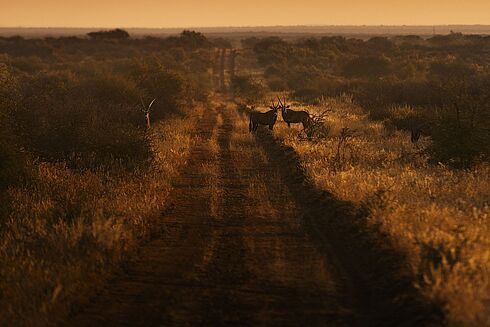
{"type": "Point", "coordinates": [294, 117]}
{"type": "Point", "coordinates": [263, 118]}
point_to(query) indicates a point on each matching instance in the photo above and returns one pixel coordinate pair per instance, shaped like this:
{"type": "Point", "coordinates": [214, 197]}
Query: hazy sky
{"type": "Point", "coordinates": [193, 13]}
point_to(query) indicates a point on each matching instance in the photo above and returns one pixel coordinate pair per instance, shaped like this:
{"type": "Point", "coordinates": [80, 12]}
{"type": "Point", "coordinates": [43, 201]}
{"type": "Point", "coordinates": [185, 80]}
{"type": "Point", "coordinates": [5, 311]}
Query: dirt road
{"type": "Point", "coordinates": [235, 248]}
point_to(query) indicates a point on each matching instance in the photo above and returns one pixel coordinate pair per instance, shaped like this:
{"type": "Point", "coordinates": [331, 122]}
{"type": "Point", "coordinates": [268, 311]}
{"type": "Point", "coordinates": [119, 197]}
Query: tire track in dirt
{"type": "Point", "coordinates": [241, 246]}
{"type": "Point", "coordinates": [262, 269]}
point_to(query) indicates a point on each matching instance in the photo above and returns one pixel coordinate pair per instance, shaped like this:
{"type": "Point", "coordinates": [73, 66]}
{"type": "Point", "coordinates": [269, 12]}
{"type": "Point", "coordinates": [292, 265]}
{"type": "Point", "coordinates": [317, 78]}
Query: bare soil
{"type": "Point", "coordinates": [255, 245]}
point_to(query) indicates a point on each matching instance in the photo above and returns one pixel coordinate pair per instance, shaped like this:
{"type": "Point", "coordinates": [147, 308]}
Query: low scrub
{"type": "Point", "coordinates": [67, 230]}
{"type": "Point", "coordinates": [445, 80]}
{"type": "Point", "coordinates": [435, 214]}
{"type": "Point", "coordinates": [246, 87]}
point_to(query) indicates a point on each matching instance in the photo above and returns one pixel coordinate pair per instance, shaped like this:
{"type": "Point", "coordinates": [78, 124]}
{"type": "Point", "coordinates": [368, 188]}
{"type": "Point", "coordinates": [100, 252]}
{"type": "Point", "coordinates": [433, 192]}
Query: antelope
{"type": "Point", "coordinates": [263, 118]}
{"type": "Point", "coordinates": [293, 117]}
{"type": "Point", "coordinates": [146, 110]}
{"type": "Point", "coordinates": [416, 132]}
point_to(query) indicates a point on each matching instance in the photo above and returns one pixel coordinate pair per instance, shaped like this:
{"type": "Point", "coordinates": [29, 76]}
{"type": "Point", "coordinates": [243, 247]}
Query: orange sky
{"type": "Point", "coordinates": [193, 13]}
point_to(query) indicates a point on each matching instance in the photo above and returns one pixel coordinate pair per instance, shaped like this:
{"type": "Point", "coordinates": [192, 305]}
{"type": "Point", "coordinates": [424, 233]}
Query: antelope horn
{"type": "Point", "coordinates": [142, 104]}
{"type": "Point", "coordinates": [279, 100]}
{"type": "Point", "coordinates": [151, 103]}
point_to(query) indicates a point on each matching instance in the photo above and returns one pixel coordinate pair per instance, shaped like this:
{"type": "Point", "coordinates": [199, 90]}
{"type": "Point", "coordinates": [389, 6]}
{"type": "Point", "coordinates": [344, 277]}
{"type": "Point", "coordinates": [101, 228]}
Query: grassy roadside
{"type": "Point", "coordinates": [436, 215]}
{"type": "Point", "coordinates": [67, 230]}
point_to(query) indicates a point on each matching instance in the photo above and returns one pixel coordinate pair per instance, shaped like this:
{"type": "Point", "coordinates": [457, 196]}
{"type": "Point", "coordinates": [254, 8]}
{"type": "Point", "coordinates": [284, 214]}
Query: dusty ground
{"type": "Point", "coordinates": [238, 247]}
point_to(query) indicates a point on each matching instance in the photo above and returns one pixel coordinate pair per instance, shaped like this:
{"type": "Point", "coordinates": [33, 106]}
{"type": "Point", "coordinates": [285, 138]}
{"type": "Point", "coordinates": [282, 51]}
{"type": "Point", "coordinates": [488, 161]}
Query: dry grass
{"type": "Point", "coordinates": [440, 217]}
{"type": "Point", "coordinates": [211, 169]}
{"type": "Point", "coordinates": [67, 230]}
{"type": "Point", "coordinates": [244, 143]}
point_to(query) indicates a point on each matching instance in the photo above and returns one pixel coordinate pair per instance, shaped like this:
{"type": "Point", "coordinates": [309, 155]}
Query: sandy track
{"type": "Point", "coordinates": [236, 249]}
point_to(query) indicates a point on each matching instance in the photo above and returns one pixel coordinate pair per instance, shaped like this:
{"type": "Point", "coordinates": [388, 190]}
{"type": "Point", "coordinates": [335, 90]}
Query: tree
{"type": "Point", "coordinates": [462, 133]}
{"type": "Point", "coordinates": [117, 34]}
{"type": "Point", "coordinates": [193, 40]}
{"type": "Point", "coordinates": [380, 44]}
{"type": "Point", "coordinates": [248, 88]}
{"type": "Point", "coordinates": [11, 159]}
{"type": "Point", "coordinates": [370, 66]}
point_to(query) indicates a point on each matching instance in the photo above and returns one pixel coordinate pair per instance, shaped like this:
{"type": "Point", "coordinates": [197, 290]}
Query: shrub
{"type": "Point", "coordinates": [166, 86]}
{"type": "Point", "coordinates": [11, 159]}
{"type": "Point", "coordinates": [459, 144]}
{"type": "Point", "coordinates": [248, 88]}
{"type": "Point", "coordinates": [87, 123]}
{"type": "Point", "coordinates": [28, 65]}
{"type": "Point", "coordinates": [189, 40]}
{"type": "Point", "coordinates": [277, 84]}
{"type": "Point", "coordinates": [193, 40]}
{"type": "Point", "coordinates": [371, 66]}
{"type": "Point", "coordinates": [117, 34]}
{"type": "Point", "coordinates": [380, 44]}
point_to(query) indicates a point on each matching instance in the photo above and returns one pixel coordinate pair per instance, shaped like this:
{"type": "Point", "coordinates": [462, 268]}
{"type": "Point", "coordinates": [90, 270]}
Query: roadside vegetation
{"type": "Point", "coordinates": [82, 180]}
{"type": "Point", "coordinates": [440, 84]}
{"type": "Point", "coordinates": [437, 215]}
{"type": "Point", "coordinates": [368, 99]}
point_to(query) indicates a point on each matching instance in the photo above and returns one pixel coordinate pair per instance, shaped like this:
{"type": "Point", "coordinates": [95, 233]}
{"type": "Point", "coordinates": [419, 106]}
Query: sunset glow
{"type": "Point", "coordinates": [185, 13]}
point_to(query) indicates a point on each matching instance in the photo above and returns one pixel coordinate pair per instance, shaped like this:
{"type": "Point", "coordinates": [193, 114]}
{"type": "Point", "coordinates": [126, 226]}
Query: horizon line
{"type": "Point", "coordinates": [253, 26]}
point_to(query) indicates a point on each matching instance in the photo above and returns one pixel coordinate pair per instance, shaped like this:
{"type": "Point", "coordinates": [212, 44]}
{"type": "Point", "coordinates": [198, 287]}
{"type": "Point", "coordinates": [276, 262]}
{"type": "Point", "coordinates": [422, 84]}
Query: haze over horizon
{"type": "Point", "coordinates": [221, 13]}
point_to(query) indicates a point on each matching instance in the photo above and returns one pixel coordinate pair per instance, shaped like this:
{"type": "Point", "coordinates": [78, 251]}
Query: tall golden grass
{"type": "Point", "coordinates": [440, 217]}
{"type": "Point", "coordinates": [67, 229]}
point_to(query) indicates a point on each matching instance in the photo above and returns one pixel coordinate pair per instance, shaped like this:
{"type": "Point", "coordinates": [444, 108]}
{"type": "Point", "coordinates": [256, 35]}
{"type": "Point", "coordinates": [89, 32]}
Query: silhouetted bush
{"type": "Point", "coordinates": [380, 44]}
{"type": "Point", "coordinates": [271, 50]}
{"type": "Point", "coordinates": [188, 40]}
{"type": "Point", "coordinates": [459, 144]}
{"type": "Point", "coordinates": [250, 42]}
{"type": "Point", "coordinates": [272, 71]}
{"type": "Point", "coordinates": [221, 43]}
{"type": "Point", "coordinates": [372, 67]}
{"type": "Point", "coordinates": [28, 65]}
{"type": "Point", "coordinates": [117, 34]}
{"type": "Point", "coordinates": [12, 160]}
{"type": "Point", "coordinates": [277, 84]}
{"type": "Point", "coordinates": [166, 86]}
{"type": "Point", "coordinates": [246, 87]}
{"type": "Point", "coordinates": [86, 123]}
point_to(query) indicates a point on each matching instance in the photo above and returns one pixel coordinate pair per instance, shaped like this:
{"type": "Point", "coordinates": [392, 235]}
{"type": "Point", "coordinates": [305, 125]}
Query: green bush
{"type": "Point", "coordinates": [246, 87]}
{"type": "Point", "coordinates": [117, 34]}
{"type": "Point", "coordinates": [158, 82]}
{"type": "Point", "coordinates": [459, 144]}
{"type": "Point", "coordinates": [87, 123]}
{"type": "Point", "coordinates": [277, 84]}
{"type": "Point", "coordinates": [12, 161]}
{"type": "Point", "coordinates": [370, 66]}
